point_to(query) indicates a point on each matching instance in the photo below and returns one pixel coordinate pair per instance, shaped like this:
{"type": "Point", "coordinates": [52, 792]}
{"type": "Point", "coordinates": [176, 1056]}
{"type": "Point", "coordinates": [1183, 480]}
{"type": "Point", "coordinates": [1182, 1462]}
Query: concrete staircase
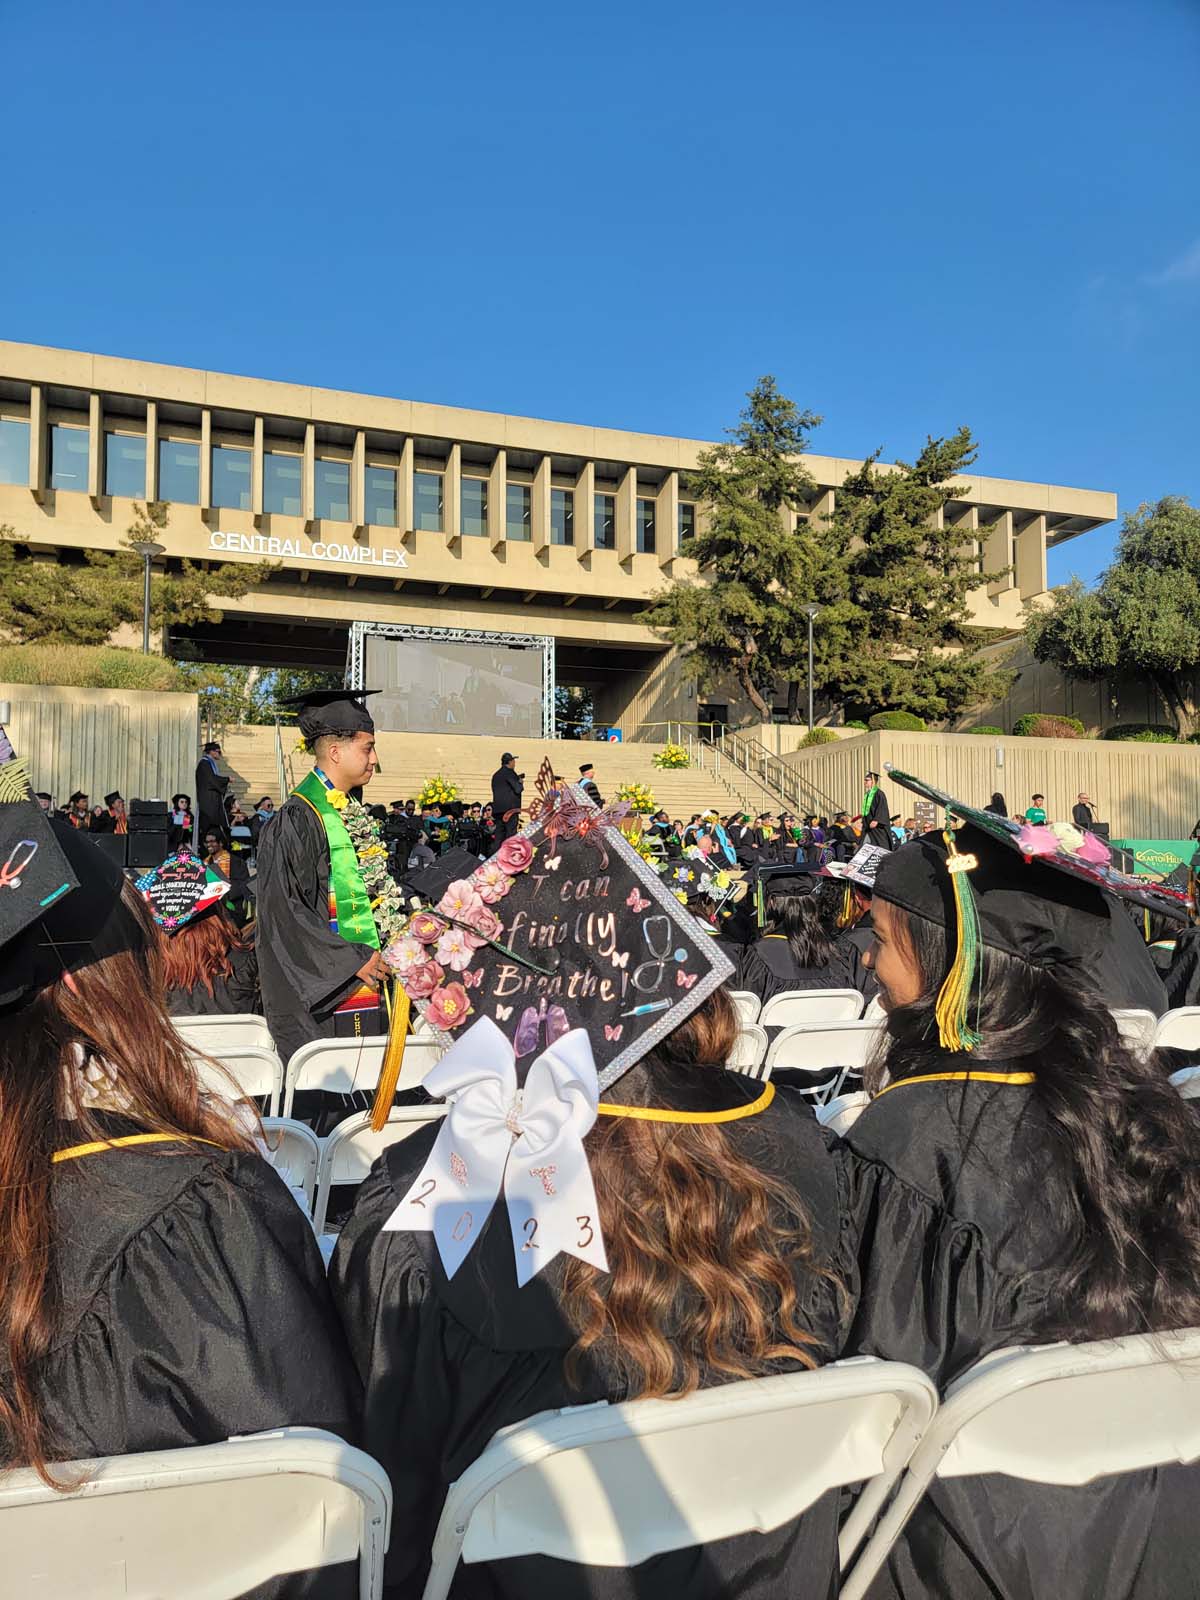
{"type": "Point", "coordinates": [407, 760]}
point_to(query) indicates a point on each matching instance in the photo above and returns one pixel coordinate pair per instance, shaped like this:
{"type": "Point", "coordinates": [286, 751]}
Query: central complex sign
{"type": "Point", "coordinates": [261, 544]}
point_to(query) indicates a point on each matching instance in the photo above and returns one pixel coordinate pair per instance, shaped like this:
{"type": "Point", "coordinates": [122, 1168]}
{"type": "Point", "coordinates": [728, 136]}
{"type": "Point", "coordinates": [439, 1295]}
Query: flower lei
{"type": "Point", "coordinates": [387, 902]}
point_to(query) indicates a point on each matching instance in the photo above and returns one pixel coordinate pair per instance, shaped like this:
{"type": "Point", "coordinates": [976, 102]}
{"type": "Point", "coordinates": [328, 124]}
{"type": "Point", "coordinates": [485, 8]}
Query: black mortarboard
{"type": "Point", "coordinates": [78, 795]}
{"type": "Point", "coordinates": [110, 799]}
{"type": "Point", "coordinates": [573, 930]}
{"type": "Point", "coordinates": [180, 890]}
{"type": "Point", "coordinates": [323, 711]}
{"type": "Point", "coordinates": [430, 883]}
{"type": "Point", "coordinates": [781, 878]}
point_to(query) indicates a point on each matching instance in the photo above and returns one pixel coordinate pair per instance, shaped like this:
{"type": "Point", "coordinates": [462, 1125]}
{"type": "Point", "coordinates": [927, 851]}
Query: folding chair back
{"type": "Point", "coordinates": [811, 1005]}
{"type": "Point", "coordinates": [1137, 1028]}
{"type": "Point", "coordinates": [210, 1520]}
{"type": "Point", "coordinates": [344, 1066]}
{"type": "Point", "coordinates": [1187, 1082]}
{"type": "Point", "coordinates": [749, 1053]}
{"type": "Point", "coordinates": [1062, 1414]}
{"type": "Point", "coordinates": [874, 1011]}
{"type": "Point", "coordinates": [841, 1114]}
{"type": "Point", "coordinates": [255, 1072]}
{"type": "Point", "coordinates": [748, 1004]}
{"type": "Point", "coordinates": [353, 1148]}
{"type": "Point", "coordinates": [824, 1047]}
{"type": "Point", "coordinates": [295, 1154]}
{"type": "Point", "coordinates": [1178, 1030]}
{"type": "Point", "coordinates": [214, 1034]}
{"type": "Point", "coordinates": [614, 1485]}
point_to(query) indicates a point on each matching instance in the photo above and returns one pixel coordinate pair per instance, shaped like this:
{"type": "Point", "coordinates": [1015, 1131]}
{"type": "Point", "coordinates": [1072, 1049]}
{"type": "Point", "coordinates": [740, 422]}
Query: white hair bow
{"type": "Point", "coordinates": [528, 1143]}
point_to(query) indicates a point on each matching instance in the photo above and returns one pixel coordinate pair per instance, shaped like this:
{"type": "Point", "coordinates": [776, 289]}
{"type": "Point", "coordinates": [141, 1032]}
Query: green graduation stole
{"type": "Point", "coordinates": [350, 912]}
{"type": "Point", "coordinates": [869, 800]}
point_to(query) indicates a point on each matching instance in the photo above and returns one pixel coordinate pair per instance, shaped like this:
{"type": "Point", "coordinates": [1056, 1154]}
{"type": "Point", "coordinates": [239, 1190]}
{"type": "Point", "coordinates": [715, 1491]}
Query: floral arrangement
{"type": "Point", "coordinates": [387, 902]}
{"type": "Point", "coordinates": [438, 791]}
{"type": "Point", "coordinates": [639, 798]}
{"type": "Point", "coordinates": [672, 758]}
{"type": "Point", "coordinates": [300, 747]}
{"type": "Point", "coordinates": [432, 956]}
{"type": "Point", "coordinates": [649, 847]}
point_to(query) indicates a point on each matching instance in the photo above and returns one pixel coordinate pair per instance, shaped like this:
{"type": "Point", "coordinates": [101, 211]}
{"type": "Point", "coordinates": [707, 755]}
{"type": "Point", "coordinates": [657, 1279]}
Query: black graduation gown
{"type": "Point", "coordinates": [769, 968]}
{"type": "Point", "coordinates": [195, 1307]}
{"type": "Point", "coordinates": [236, 995]}
{"type": "Point", "coordinates": [210, 796]}
{"type": "Point", "coordinates": [446, 1364]}
{"type": "Point", "coordinates": [1123, 970]}
{"type": "Point", "coordinates": [306, 969]}
{"type": "Point", "coordinates": [853, 944]}
{"type": "Point", "coordinates": [877, 823]}
{"type": "Point", "coordinates": [952, 1211]}
{"type": "Point", "coordinates": [1183, 975]}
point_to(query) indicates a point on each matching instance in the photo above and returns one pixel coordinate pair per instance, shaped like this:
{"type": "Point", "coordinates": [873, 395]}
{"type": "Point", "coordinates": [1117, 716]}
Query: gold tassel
{"type": "Point", "coordinates": [954, 998]}
{"type": "Point", "coordinates": [847, 912]}
{"type": "Point", "coordinates": [393, 1056]}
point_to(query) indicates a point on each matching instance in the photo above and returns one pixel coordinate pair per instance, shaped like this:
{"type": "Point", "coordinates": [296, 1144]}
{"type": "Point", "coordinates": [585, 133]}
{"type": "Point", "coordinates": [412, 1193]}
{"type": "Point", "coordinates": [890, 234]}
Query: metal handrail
{"type": "Point", "coordinates": [775, 776]}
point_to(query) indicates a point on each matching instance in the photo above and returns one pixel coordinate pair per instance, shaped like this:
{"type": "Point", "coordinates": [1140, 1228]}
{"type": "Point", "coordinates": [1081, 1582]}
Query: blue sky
{"type": "Point", "coordinates": [914, 216]}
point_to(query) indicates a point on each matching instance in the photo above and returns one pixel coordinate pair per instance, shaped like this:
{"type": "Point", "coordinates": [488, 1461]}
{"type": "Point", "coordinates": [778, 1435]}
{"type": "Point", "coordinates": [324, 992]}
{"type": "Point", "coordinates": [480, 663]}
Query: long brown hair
{"type": "Point", "coordinates": [199, 952]}
{"type": "Point", "coordinates": [703, 1247]}
{"type": "Point", "coordinates": [112, 1010]}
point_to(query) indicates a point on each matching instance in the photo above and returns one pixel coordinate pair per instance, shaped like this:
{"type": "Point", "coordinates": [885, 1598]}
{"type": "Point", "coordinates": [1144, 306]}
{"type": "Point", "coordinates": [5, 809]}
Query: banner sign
{"type": "Point", "coordinates": [1157, 858]}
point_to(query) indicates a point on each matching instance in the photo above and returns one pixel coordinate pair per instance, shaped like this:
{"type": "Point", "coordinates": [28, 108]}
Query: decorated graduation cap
{"type": "Point", "coordinates": [698, 878]}
{"type": "Point", "coordinates": [549, 971]}
{"type": "Point", "coordinates": [1034, 893]}
{"type": "Point", "coordinates": [180, 890]}
{"type": "Point", "coordinates": [325, 711]}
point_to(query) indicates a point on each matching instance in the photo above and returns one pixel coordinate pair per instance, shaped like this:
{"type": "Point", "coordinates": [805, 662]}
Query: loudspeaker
{"type": "Point", "coordinates": [148, 849]}
{"type": "Point", "coordinates": [147, 808]}
{"type": "Point", "coordinates": [138, 823]}
{"type": "Point", "coordinates": [113, 845]}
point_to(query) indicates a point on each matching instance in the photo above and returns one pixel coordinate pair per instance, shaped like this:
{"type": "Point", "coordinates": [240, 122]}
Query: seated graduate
{"type": "Point", "coordinates": [852, 928]}
{"type": "Point", "coordinates": [1023, 1178]}
{"type": "Point", "coordinates": [661, 1224]}
{"type": "Point", "coordinates": [794, 950]}
{"type": "Point", "coordinates": [707, 890]}
{"type": "Point", "coordinates": [208, 964]}
{"type": "Point", "coordinates": [159, 1286]}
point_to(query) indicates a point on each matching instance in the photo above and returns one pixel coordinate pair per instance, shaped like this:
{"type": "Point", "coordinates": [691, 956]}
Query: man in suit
{"type": "Point", "coordinates": [507, 788]}
{"type": "Point", "coordinates": [211, 784]}
{"type": "Point", "coordinates": [1082, 814]}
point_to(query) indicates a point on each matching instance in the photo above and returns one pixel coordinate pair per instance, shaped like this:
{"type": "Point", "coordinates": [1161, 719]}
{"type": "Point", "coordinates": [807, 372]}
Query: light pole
{"type": "Point", "coordinates": [147, 549]}
{"type": "Point", "coordinates": [810, 611]}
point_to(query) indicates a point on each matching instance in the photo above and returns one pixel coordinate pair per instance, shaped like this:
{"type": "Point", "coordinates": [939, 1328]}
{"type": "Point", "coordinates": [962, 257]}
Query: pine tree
{"type": "Point", "coordinates": [741, 618]}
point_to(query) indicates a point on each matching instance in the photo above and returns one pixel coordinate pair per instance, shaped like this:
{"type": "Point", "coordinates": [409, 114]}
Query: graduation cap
{"type": "Point", "coordinates": [324, 711]}
{"type": "Point", "coordinates": [180, 890]}
{"type": "Point", "coordinates": [862, 867]}
{"type": "Point", "coordinates": [781, 878]}
{"type": "Point", "coordinates": [78, 795]}
{"type": "Point", "coordinates": [698, 878]}
{"type": "Point", "coordinates": [997, 884]}
{"type": "Point", "coordinates": [110, 799]}
{"type": "Point", "coordinates": [429, 884]}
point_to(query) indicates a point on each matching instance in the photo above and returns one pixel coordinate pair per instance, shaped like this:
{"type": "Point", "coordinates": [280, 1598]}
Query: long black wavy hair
{"type": "Point", "coordinates": [1127, 1178]}
{"type": "Point", "coordinates": [798, 918]}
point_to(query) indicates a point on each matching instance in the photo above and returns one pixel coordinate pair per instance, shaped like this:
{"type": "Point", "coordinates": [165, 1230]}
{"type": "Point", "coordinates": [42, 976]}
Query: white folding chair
{"type": "Point", "coordinates": [353, 1147]}
{"type": "Point", "coordinates": [202, 1523]}
{"type": "Point", "coordinates": [1187, 1082]}
{"type": "Point", "coordinates": [1137, 1028]}
{"type": "Point", "coordinates": [214, 1034]}
{"type": "Point", "coordinates": [1062, 1413]}
{"type": "Point", "coordinates": [344, 1066]}
{"type": "Point", "coordinates": [840, 1114]}
{"type": "Point", "coordinates": [874, 1010]}
{"type": "Point", "coordinates": [794, 1006]}
{"type": "Point", "coordinates": [749, 1054]}
{"type": "Point", "coordinates": [295, 1154]}
{"type": "Point", "coordinates": [611, 1486]}
{"type": "Point", "coordinates": [829, 1052]}
{"type": "Point", "coordinates": [747, 1004]}
{"type": "Point", "coordinates": [1178, 1029]}
{"type": "Point", "coordinates": [254, 1071]}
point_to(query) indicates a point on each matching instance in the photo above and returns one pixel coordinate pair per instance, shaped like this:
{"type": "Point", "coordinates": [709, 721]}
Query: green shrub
{"type": "Point", "coordinates": [818, 736]}
{"type": "Point", "coordinates": [87, 666]}
{"type": "Point", "coordinates": [896, 722]}
{"type": "Point", "coordinates": [1141, 732]}
{"type": "Point", "coordinates": [861, 726]}
{"type": "Point", "coordinates": [1047, 725]}
{"type": "Point", "coordinates": [986, 727]}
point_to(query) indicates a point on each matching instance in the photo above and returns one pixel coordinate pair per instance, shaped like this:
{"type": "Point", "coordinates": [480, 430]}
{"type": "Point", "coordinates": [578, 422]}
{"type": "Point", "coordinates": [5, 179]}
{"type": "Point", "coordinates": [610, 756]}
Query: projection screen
{"type": "Point", "coordinates": [450, 681]}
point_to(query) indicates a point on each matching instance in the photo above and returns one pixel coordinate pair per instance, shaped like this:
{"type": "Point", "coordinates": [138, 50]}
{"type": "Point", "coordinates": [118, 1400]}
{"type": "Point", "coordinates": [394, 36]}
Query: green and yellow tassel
{"type": "Point", "coordinates": [846, 915]}
{"type": "Point", "coordinates": [954, 1000]}
{"type": "Point", "coordinates": [393, 1056]}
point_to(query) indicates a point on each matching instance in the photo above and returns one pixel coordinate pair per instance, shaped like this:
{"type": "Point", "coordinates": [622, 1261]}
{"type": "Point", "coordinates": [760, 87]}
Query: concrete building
{"type": "Point", "coordinates": [382, 510]}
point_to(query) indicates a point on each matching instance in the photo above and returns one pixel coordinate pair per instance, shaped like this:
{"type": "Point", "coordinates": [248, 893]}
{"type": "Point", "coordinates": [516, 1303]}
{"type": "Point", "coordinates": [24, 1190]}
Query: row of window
{"type": "Point", "coordinates": [179, 482]}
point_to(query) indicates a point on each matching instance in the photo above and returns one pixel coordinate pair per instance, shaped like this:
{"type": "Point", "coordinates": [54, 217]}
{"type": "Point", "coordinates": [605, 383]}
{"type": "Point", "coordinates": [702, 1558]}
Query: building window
{"type": "Point", "coordinates": [380, 508]}
{"type": "Point", "coordinates": [605, 531]}
{"type": "Point", "coordinates": [14, 452]}
{"type": "Point", "coordinates": [124, 465]}
{"type": "Point", "coordinates": [427, 501]}
{"type": "Point", "coordinates": [179, 472]}
{"type": "Point", "coordinates": [231, 477]}
{"type": "Point", "coordinates": [518, 513]}
{"type": "Point", "coordinates": [562, 516]}
{"type": "Point", "coordinates": [69, 458]}
{"type": "Point", "coordinates": [282, 477]}
{"type": "Point", "coordinates": [331, 490]}
{"type": "Point", "coordinates": [645, 527]}
{"type": "Point", "coordinates": [473, 513]}
{"type": "Point", "coordinates": [687, 522]}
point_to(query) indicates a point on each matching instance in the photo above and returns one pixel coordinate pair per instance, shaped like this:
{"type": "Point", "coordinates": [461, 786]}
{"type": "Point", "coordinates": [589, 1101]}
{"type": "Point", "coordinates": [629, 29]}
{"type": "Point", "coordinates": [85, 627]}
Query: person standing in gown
{"type": "Point", "coordinates": [587, 782]}
{"type": "Point", "coordinates": [317, 943]}
{"type": "Point", "coordinates": [876, 816]}
{"type": "Point", "coordinates": [507, 788]}
{"type": "Point", "coordinates": [159, 1286]}
{"type": "Point", "coordinates": [211, 784]}
{"type": "Point", "coordinates": [1024, 1177]}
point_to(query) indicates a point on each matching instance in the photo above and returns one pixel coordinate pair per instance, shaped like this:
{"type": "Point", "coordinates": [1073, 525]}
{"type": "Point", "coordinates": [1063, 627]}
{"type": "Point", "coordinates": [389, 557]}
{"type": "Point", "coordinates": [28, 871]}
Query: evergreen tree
{"type": "Point", "coordinates": [742, 618]}
{"type": "Point", "coordinates": [894, 632]}
{"type": "Point", "coordinates": [86, 602]}
{"type": "Point", "coordinates": [1143, 618]}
